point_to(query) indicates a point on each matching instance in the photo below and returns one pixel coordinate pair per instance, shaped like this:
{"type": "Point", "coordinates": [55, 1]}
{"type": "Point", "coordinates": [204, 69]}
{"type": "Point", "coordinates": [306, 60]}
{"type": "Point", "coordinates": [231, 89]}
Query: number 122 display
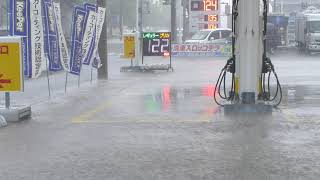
{"type": "Point", "coordinates": [156, 43]}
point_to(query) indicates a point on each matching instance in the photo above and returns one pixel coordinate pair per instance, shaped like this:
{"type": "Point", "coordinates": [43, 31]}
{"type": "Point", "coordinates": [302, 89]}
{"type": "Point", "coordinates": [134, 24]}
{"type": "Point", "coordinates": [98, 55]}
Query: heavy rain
{"type": "Point", "coordinates": [160, 90]}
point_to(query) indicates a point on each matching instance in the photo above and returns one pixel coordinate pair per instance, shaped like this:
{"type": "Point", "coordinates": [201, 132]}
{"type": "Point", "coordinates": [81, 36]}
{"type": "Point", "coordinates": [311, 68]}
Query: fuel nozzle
{"type": "Point", "coordinates": [267, 65]}
{"type": "Point", "coordinates": [230, 66]}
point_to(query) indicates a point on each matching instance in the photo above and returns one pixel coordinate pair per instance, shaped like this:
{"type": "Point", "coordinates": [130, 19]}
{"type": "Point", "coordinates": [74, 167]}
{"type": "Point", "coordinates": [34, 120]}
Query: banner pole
{"type": "Point", "coordinates": [66, 83]}
{"type": "Point", "coordinates": [79, 79]}
{"type": "Point", "coordinates": [170, 50]}
{"type": "Point", "coordinates": [91, 75]}
{"type": "Point", "coordinates": [48, 78]}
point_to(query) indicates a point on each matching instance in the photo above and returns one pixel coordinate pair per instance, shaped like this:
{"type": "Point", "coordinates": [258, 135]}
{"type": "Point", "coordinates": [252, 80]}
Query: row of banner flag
{"type": "Point", "coordinates": [39, 22]}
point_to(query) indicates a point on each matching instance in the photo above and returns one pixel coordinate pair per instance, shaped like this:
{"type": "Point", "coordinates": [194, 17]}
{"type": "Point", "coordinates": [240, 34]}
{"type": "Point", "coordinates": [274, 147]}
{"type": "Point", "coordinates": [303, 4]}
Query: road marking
{"type": "Point", "coordinates": [85, 117]}
{"type": "Point", "coordinates": [143, 121]}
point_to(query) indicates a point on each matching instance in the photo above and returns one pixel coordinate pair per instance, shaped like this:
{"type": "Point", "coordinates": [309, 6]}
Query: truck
{"type": "Point", "coordinates": [308, 30]}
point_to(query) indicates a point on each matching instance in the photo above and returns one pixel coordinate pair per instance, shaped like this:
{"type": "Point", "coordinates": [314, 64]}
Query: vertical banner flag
{"type": "Point", "coordinates": [36, 38]}
{"type": "Point", "coordinates": [19, 27]}
{"type": "Point", "coordinates": [78, 23]}
{"type": "Point", "coordinates": [100, 21]}
{"type": "Point", "coordinates": [52, 41]}
{"type": "Point", "coordinates": [89, 33]}
{"type": "Point", "coordinates": [64, 53]}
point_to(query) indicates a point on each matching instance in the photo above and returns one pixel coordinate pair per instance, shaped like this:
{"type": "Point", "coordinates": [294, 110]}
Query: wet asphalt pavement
{"type": "Point", "coordinates": [164, 126]}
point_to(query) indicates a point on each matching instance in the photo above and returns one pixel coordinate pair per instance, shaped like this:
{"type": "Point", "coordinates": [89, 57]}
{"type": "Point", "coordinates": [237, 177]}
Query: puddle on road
{"type": "Point", "coordinates": [182, 101]}
{"type": "Point", "coordinates": [304, 101]}
{"type": "Point", "coordinates": [301, 103]}
{"type": "Point", "coordinates": [171, 104]}
{"type": "Point", "coordinates": [196, 104]}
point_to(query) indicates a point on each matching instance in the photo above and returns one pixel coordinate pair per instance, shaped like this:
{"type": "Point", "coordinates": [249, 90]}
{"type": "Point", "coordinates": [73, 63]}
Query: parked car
{"type": "Point", "coordinates": [209, 36]}
{"type": "Point", "coordinates": [224, 41]}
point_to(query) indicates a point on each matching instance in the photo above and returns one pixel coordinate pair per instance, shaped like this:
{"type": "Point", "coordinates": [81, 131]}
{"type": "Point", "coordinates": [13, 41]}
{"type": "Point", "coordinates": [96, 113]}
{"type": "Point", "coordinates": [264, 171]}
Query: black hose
{"type": "Point", "coordinates": [280, 90]}
{"type": "Point", "coordinates": [229, 67]}
{"type": "Point", "coordinates": [220, 84]}
{"type": "Point", "coordinates": [268, 67]}
{"type": "Point", "coordinates": [216, 87]}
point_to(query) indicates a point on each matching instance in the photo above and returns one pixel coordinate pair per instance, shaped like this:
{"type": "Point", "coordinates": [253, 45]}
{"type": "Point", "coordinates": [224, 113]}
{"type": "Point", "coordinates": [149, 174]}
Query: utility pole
{"type": "Point", "coordinates": [173, 20]}
{"type": "Point", "coordinates": [184, 14]}
{"type": "Point", "coordinates": [103, 46]}
{"type": "Point", "coordinates": [121, 19]}
{"type": "Point", "coordinates": [139, 31]}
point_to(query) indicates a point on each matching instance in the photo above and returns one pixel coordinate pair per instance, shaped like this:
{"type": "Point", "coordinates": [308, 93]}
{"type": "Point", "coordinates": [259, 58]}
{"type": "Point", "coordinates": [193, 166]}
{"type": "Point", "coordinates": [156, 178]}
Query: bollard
{"type": "Point", "coordinates": [7, 99]}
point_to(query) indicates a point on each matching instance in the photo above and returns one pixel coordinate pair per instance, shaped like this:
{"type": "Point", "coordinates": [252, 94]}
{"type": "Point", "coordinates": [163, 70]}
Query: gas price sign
{"type": "Point", "coordinates": [204, 14]}
{"type": "Point", "coordinates": [156, 43]}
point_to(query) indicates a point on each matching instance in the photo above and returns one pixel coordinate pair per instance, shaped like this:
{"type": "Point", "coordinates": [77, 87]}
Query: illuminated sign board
{"type": "Point", "coordinates": [156, 43]}
{"type": "Point", "coordinates": [204, 14]}
{"type": "Point", "coordinates": [205, 5]}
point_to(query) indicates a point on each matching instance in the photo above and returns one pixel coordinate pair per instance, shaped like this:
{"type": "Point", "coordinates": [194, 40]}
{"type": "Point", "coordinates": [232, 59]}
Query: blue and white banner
{"type": "Point", "coordinates": [19, 26]}
{"type": "Point", "coordinates": [64, 52]}
{"type": "Point", "coordinates": [78, 23]}
{"type": "Point", "coordinates": [52, 40]}
{"type": "Point", "coordinates": [26, 21]}
{"type": "Point", "coordinates": [100, 21]}
{"type": "Point", "coordinates": [89, 33]}
{"type": "Point", "coordinates": [36, 38]}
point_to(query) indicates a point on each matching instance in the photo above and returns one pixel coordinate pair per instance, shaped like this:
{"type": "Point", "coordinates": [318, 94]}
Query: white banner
{"type": "Point", "coordinates": [207, 50]}
{"type": "Point", "coordinates": [100, 21]}
{"type": "Point", "coordinates": [64, 53]}
{"type": "Point", "coordinates": [36, 37]}
{"type": "Point", "coordinates": [88, 37]}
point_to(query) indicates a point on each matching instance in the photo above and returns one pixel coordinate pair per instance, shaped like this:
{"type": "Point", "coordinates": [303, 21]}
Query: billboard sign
{"type": "Point", "coordinates": [129, 46]}
{"type": "Point", "coordinates": [197, 50]}
{"type": "Point", "coordinates": [156, 43]}
{"type": "Point", "coordinates": [204, 14]}
{"type": "Point", "coordinates": [11, 76]}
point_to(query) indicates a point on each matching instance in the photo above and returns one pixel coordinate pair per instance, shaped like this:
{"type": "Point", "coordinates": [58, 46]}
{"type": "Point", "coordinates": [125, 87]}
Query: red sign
{"type": "Point", "coordinates": [4, 81]}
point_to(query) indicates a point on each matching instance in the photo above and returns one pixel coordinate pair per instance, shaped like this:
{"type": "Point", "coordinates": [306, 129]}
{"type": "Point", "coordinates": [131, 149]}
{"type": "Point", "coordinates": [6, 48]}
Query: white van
{"type": "Point", "coordinates": [209, 35]}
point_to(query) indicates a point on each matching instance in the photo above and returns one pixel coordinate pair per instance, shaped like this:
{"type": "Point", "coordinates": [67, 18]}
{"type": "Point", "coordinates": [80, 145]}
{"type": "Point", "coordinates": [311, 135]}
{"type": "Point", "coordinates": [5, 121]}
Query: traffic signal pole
{"type": "Point", "coordinates": [173, 20]}
{"type": "Point", "coordinates": [103, 46]}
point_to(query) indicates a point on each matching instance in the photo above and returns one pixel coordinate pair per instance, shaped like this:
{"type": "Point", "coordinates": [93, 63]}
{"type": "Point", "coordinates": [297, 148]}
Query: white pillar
{"type": "Point", "coordinates": [248, 47]}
